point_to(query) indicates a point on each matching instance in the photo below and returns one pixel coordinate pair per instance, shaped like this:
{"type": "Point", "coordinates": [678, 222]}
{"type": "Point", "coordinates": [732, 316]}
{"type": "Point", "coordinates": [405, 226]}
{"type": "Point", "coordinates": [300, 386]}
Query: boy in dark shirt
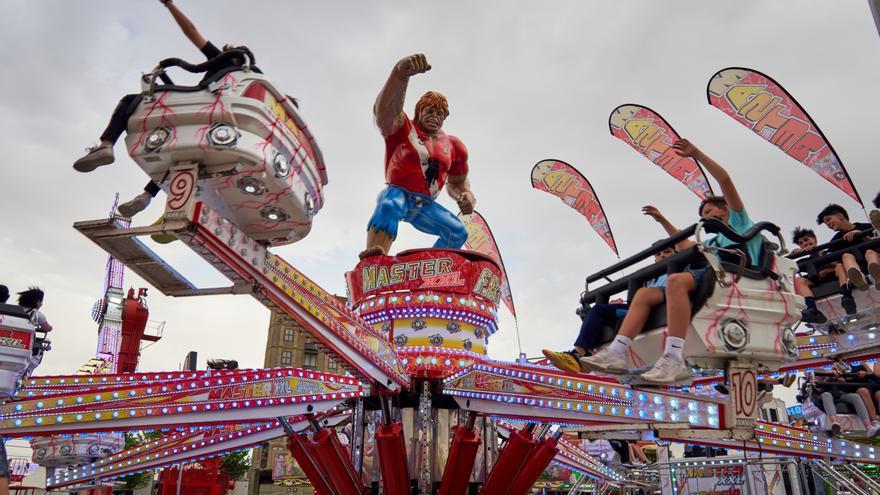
{"type": "Point", "coordinates": [103, 153]}
{"type": "Point", "coordinates": [849, 274]}
{"type": "Point", "coordinates": [806, 241]}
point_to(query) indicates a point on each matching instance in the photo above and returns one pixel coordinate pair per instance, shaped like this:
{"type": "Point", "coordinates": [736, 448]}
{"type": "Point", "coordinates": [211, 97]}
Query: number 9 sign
{"type": "Point", "coordinates": [181, 188]}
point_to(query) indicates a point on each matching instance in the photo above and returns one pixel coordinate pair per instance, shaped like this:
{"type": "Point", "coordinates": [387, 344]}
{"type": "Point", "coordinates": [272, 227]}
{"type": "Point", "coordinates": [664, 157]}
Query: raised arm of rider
{"type": "Point", "coordinates": [188, 28]}
{"type": "Point", "coordinates": [728, 188]}
{"type": "Point", "coordinates": [388, 109]}
{"type": "Point", "coordinates": [670, 229]}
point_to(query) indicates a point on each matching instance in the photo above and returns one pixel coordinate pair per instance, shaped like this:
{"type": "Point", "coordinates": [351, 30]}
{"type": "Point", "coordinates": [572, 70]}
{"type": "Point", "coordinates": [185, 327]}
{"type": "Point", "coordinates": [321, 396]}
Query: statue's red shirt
{"type": "Point", "coordinates": [420, 163]}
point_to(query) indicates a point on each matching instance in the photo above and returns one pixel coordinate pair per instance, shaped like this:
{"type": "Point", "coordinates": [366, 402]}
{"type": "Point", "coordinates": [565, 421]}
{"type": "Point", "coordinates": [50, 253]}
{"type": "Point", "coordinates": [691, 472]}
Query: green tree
{"type": "Point", "coordinates": [132, 440]}
{"type": "Point", "coordinates": [237, 464]}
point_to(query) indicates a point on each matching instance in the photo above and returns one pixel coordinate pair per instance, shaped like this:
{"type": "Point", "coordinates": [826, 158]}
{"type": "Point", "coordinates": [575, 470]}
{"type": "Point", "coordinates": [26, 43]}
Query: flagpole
{"type": "Point", "coordinates": [518, 339]}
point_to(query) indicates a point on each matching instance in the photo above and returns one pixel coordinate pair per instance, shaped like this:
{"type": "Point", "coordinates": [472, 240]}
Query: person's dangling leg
{"type": "Point", "coordinates": [873, 261]}
{"type": "Point", "coordinates": [859, 405]}
{"type": "Point", "coordinates": [596, 318]}
{"type": "Point", "coordinates": [613, 358]}
{"type": "Point", "coordinates": [140, 202]}
{"type": "Point", "coordinates": [103, 153]}
{"type": "Point", "coordinates": [846, 299]}
{"type": "Point", "coordinates": [810, 313]}
{"type": "Point", "coordinates": [830, 412]}
{"type": "Point", "coordinates": [599, 316]}
{"type": "Point", "coordinates": [671, 366]}
{"type": "Point", "coordinates": [853, 273]}
{"type": "Point", "coordinates": [865, 395]}
{"type": "Point", "coordinates": [391, 207]}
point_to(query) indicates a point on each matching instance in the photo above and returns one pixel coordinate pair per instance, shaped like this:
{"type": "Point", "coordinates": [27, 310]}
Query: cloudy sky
{"type": "Point", "coordinates": [525, 80]}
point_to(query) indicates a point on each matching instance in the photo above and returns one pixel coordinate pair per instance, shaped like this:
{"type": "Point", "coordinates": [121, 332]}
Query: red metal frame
{"type": "Point", "coordinates": [460, 463]}
{"type": "Point", "coordinates": [392, 459]}
{"type": "Point", "coordinates": [511, 460]}
{"type": "Point", "coordinates": [134, 321]}
{"type": "Point", "coordinates": [197, 478]}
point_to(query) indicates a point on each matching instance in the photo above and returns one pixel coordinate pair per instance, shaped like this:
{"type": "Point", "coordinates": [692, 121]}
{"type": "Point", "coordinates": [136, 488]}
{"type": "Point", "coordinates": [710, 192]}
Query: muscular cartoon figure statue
{"type": "Point", "coordinates": [419, 159]}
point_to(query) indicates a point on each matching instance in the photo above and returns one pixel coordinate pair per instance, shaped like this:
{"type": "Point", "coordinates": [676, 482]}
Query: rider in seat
{"type": "Point", "coordinates": [103, 153]}
{"type": "Point", "coordinates": [806, 240]}
{"type": "Point", "coordinates": [849, 274]}
{"type": "Point", "coordinates": [601, 315]}
{"type": "Point", "coordinates": [32, 300]}
{"type": "Point", "coordinates": [671, 366]}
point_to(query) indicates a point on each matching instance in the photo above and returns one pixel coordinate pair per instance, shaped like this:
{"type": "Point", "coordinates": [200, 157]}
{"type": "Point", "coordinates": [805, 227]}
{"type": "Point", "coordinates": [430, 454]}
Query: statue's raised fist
{"type": "Point", "coordinates": [412, 65]}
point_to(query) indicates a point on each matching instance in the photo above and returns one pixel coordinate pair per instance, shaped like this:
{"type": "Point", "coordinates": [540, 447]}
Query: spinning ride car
{"type": "Point", "coordinates": [827, 291]}
{"type": "Point", "coordinates": [17, 337]}
{"type": "Point", "coordinates": [253, 158]}
{"type": "Point", "coordinates": [743, 313]}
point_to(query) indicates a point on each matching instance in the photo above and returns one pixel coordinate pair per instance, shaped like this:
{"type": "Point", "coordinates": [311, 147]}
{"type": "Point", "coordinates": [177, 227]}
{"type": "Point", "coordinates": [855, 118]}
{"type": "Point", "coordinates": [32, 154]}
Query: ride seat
{"type": "Point", "coordinates": [259, 166]}
{"type": "Point", "coordinates": [13, 310]}
{"type": "Point", "coordinates": [828, 285]}
{"type": "Point", "coordinates": [657, 317]}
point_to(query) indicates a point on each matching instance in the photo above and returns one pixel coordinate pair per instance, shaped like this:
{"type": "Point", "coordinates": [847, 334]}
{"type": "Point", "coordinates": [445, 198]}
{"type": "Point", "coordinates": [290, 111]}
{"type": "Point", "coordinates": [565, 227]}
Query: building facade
{"type": "Point", "coordinates": [287, 345]}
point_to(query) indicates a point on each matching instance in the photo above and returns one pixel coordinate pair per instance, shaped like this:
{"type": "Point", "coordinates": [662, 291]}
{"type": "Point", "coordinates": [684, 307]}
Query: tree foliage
{"type": "Point", "coordinates": [132, 440]}
{"type": "Point", "coordinates": [237, 464]}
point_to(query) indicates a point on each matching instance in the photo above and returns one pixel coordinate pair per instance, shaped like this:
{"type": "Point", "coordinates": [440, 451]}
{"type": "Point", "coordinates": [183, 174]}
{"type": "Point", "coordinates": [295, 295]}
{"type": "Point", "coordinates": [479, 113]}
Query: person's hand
{"type": "Point", "coordinates": [617, 301]}
{"type": "Point", "coordinates": [466, 202]}
{"type": "Point", "coordinates": [685, 148]}
{"type": "Point", "coordinates": [653, 212]}
{"type": "Point", "coordinates": [797, 251]}
{"type": "Point", "coordinates": [165, 2]}
{"type": "Point", "coordinates": [412, 65]}
{"type": "Point", "coordinates": [849, 236]}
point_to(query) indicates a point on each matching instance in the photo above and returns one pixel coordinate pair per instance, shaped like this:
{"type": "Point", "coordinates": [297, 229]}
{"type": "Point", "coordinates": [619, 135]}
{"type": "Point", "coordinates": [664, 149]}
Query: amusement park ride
{"type": "Point", "coordinates": [242, 173]}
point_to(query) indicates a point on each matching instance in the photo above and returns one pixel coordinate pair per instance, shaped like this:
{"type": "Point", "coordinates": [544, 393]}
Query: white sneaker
{"type": "Point", "coordinates": [607, 361]}
{"type": "Point", "coordinates": [873, 429]}
{"type": "Point", "coordinates": [138, 204]}
{"type": "Point", "coordinates": [95, 157]}
{"type": "Point", "coordinates": [667, 370]}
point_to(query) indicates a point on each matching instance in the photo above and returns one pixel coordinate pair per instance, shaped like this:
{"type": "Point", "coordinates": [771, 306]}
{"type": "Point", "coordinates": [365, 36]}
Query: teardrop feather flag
{"type": "Point", "coordinates": [758, 102]}
{"type": "Point", "coordinates": [481, 240]}
{"type": "Point", "coordinates": [562, 180]}
{"type": "Point", "coordinates": [649, 134]}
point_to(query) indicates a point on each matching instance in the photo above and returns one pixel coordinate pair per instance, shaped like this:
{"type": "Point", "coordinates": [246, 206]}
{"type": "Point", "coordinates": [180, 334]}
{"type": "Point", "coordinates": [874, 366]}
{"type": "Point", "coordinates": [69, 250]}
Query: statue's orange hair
{"type": "Point", "coordinates": [432, 99]}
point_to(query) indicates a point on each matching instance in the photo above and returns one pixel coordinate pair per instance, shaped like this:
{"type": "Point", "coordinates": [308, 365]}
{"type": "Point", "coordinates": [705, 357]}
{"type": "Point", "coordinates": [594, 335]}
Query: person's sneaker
{"type": "Point", "coordinates": [667, 370]}
{"type": "Point", "coordinates": [607, 361]}
{"type": "Point", "coordinates": [874, 270]}
{"type": "Point", "coordinates": [873, 429]}
{"type": "Point", "coordinates": [137, 204]}
{"type": "Point", "coordinates": [789, 379]}
{"type": "Point", "coordinates": [849, 305]}
{"type": "Point", "coordinates": [836, 429]}
{"type": "Point", "coordinates": [874, 215]}
{"type": "Point", "coordinates": [566, 361]}
{"type": "Point", "coordinates": [96, 157]}
{"type": "Point", "coordinates": [834, 329]}
{"type": "Point", "coordinates": [857, 278]}
{"type": "Point", "coordinates": [813, 315]}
